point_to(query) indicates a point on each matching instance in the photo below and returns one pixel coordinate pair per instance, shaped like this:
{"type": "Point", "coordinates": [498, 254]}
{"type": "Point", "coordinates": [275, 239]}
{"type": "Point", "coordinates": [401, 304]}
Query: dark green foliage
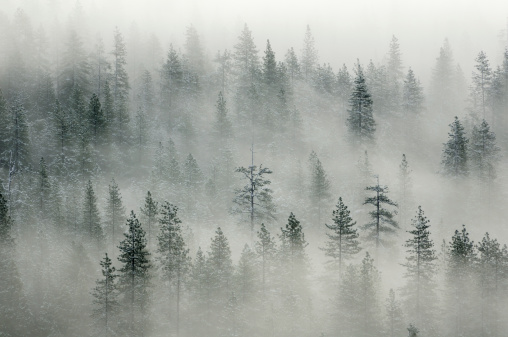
{"type": "Point", "coordinates": [360, 122]}
{"type": "Point", "coordinates": [455, 152]}
{"type": "Point", "coordinates": [106, 304]}
{"type": "Point", "coordinates": [293, 244]}
{"type": "Point", "coordinates": [382, 218]}
{"type": "Point", "coordinates": [134, 277]}
{"type": "Point", "coordinates": [343, 243]}
{"type": "Point", "coordinates": [96, 119]}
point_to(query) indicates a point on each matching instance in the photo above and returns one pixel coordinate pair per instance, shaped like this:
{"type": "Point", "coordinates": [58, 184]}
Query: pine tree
{"type": "Point", "coordinates": [75, 69]}
{"type": "Point", "coordinates": [62, 131]}
{"type": "Point", "coordinates": [442, 84]}
{"type": "Point", "coordinates": [459, 306]}
{"type": "Point", "coordinates": [4, 129]}
{"type": "Point", "coordinates": [292, 249]}
{"type": "Point", "coordinates": [405, 187]}
{"type": "Point", "coordinates": [192, 179]}
{"type": "Point", "coordinates": [173, 256]}
{"type": "Point", "coordinates": [293, 66]}
{"type": "Point", "coordinates": [412, 95]}
{"type": "Point", "coordinates": [319, 188]}
{"type": "Point", "coordinates": [309, 56]}
{"type": "Point", "coordinates": [220, 264]}
{"type": "Point", "coordinates": [91, 218]}
{"type": "Point", "coordinates": [266, 249]}
{"type": "Point", "coordinates": [105, 294]}
{"type": "Point", "coordinates": [19, 139]}
{"type": "Point", "coordinates": [382, 219]}
{"type": "Point", "coordinates": [134, 277]}
{"type": "Point", "coordinates": [394, 73]}
{"type": "Point", "coordinates": [455, 159]}
{"type": "Point", "coordinates": [150, 212]}
{"type": "Point", "coordinates": [483, 152]}
{"type": "Point", "coordinates": [394, 316]}
{"type": "Point", "coordinates": [247, 276]}
{"type": "Point", "coordinates": [115, 211]}
{"type": "Point", "coordinates": [269, 67]}
{"type": "Point", "coordinates": [96, 119]}
{"type": "Point", "coordinates": [223, 128]}
{"type": "Point", "coordinates": [482, 80]}
{"type": "Point", "coordinates": [343, 243]}
{"type": "Point", "coordinates": [44, 187]}
{"type": "Point", "coordinates": [246, 57]}
{"type": "Point", "coordinates": [120, 87]}
{"type": "Point", "coordinates": [224, 70]}
{"type": "Point", "coordinates": [420, 272]}
{"type": "Point", "coordinates": [255, 198]}
{"type": "Point", "coordinates": [344, 86]}
{"type": "Point", "coordinates": [194, 51]}
{"type": "Point", "coordinates": [361, 124]}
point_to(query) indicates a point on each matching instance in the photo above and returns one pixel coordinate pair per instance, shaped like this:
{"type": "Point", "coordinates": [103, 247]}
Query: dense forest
{"type": "Point", "coordinates": [153, 189]}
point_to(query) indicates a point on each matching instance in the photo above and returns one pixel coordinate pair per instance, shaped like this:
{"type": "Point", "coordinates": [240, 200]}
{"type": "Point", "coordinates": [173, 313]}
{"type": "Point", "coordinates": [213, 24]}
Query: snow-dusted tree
{"type": "Point", "coordinates": [194, 51]}
{"type": "Point", "coordinates": [343, 243]}
{"type": "Point", "coordinates": [266, 249]}
{"type": "Point", "coordinates": [309, 55]}
{"type": "Point", "coordinates": [224, 70]}
{"type": "Point", "coordinates": [150, 212]}
{"type": "Point", "coordinates": [293, 66]}
{"type": "Point", "coordinates": [115, 211]}
{"type": "Point", "coordinates": [134, 276]}
{"type": "Point", "coordinates": [223, 129]}
{"type": "Point", "coordinates": [405, 190]}
{"type": "Point", "coordinates": [75, 69]}
{"type": "Point", "coordinates": [96, 119]}
{"type": "Point", "coordinates": [360, 122]}
{"type": "Point", "coordinates": [44, 189]}
{"type": "Point", "coordinates": [18, 137]}
{"type": "Point", "coordinates": [412, 95]}
{"type": "Point", "coordinates": [245, 57]}
{"type": "Point", "coordinates": [172, 254]}
{"type": "Point", "coordinates": [247, 276]}
{"type": "Point", "coordinates": [394, 316]}
{"type": "Point", "coordinates": [220, 265]}
{"type": "Point", "coordinates": [395, 74]}
{"type": "Point", "coordinates": [292, 250]}
{"type": "Point", "coordinates": [91, 218]}
{"type": "Point", "coordinates": [455, 158]}
{"type": "Point", "coordinates": [420, 265]}
{"type": "Point", "coordinates": [483, 152]}
{"type": "Point", "coordinates": [105, 300]}
{"type": "Point", "coordinates": [319, 188]}
{"type": "Point", "coordinates": [442, 95]}
{"type": "Point", "coordinates": [382, 218]}
{"type": "Point", "coordinates": [344, 86]}
{"type": "Point", "coordinates": [480, 87]}
{"type": "Point", "coordinates": [255, 198]}
{"type": "Point", "coordinates": [120, 87]}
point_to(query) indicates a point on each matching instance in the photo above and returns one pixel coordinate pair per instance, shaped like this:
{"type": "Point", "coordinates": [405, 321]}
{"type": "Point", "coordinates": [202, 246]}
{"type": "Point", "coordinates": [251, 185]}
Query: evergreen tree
{"type": "Point", "coordinates": [420, 272]}
{"type": "Point", "coordinates": [293, 66]}
{"type": "Point", "coordinates": [120, 87]}
{"type": "Point", "coordinates": [62, 130]}
{"type": "Point", "coordinates": [482, 80]}
{"type": "Point", "coordinates": [134, 277]}
{"type": "Point", "coordinates": [255, 198]}
{"type": "Point", "coordinates": [459, 306]}
{"type": "Point", "coordinates": [266, 249]}
{"type": "Point", "coordinates": [292, 249]}
{"type": "Point", "coordinates": [394, 316]}
{"type": "Point", "coordinates": [220, 265]}
{"type": "Point", "coordinates": [309, 56]}
{"type": "Point", "coordinates": [246, 275]}
{"type": "Point", "coordinates": [173, 256]}
{"type": "Point", "coordinates": [405, 187]}
{"type": "Point", "coordinates": [115, 211]}
{"type": "Point", "coordinates": [150, 212]}
{"type": "Point", "coordinates": [19, 138]}
{"type": "Point", "coordinates": [361, 124]}
{"type": "Point", "coordinates": [4, 129]}
{"type": "Point", "coordinates": [412, 95]}
{"type": "Point", "coordinates": [343, 243]}
{"type": "Point", "coordinates": [105, 294]}
{"type": "Point", "coordinates": [344, 86]}
{"type": "Point", "coordinates": [223, 128]}
{"type": "Point", "coordinates": [193, 179]}
{"type": "Point", "coordinates": [91, 218]}
{"type": "Point", "coordinates": [455, 159]}
{"type": "Point", "coordinates": [319, 188]}
{"type": "Point", "coordinates": [394, 74]}
{"type": "Point", "coordinates": [44, 187]}
{"type": "Point", "coordinates": [269, 66]}
{"type": "Point", "coordinates": [96, 118]}
{"type": "Point", "coordinates": [246, 57]}
{"type": "Point", "coordinates": [194, 51]}
{"type": "Point", "coordinates": [483, 152]}
{"type": "Point", "coordinates": [382, 218]}
{"type": "Point", "coordinates": [224, 70]}
{"type": "Point", "coordinates": [75, 69]}
{"type": "Point", "coordinates": [442, 96]}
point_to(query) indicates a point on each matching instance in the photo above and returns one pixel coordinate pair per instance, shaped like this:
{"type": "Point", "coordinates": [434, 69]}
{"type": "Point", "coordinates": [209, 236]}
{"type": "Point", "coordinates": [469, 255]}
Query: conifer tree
{"type": "Point", "coordinates": [442, 84]}
{"type": "Point", "coordinates": [394, 74]}
{"type": "Point", "coordinates": [224, 70]}
{"type": "Point", "coordinates": [455, 158]}
{"type": "Point", "coordinates": [395, 323]}
{"type": "Point", "coordinates": [309, 55]}
{"type": "Point", "coordinates": [412, 95]}
{"type": "Point", "coordinates": [319, 188]}
{"type": "Point", "coordinates": [223, 128]}
{"type": "Point", "coordinates": [360, 122]}
{"type": "Point", "coordinates": [255, 198]}
{"type": "Point", "coordinates": [405, 187]}
{"type": "Point", "coordinates": [344, 86]}
{"type": "Point", "coordinates": [105, 299]}
{"type": "Point", "coordinates": [96, 118]}
{"type": "Point", "coordinates": [194, 51]}
{"type": "Point", "coordinates": [343, 243]}
{"type": "Point", "coordinates": [44, 187]}
{"type": "Point", "coordinates": [483, 152]}
{"type": "Point", "coordinates": [115, 212]}
{"type": "Point", "coordinates": [120, 87]}
{"type": "Point", "coordinates": [18, 140]}
{"type": "Point", "coordinates": [134, 277]}
{"type": "Point", "coordinates": [75, 69]}
{"type": "Point", "coordinates": [246, 275]}
{"type": "Point", "coordinates": [91, 218]}
{"type": "Point", "coordinates": [192, 179]}
{"type": "Point", "coordinates": [246, 57]}
{"type": "Point", "coordinates": [382, 218]}
{"type": "Point", "coordinates": [266, 249]}
{"type": "Point", "coordinates": [293, 66]}
{"type": "Point", "coordinates": [420, 272]}
{"type": "Point", "coordinates": [4, 129]}
{"type": "Point", "coordinates": [269, 67]}
{"type": "Point", "coordinates": [292, 248]}
{"type": "Point", "coordinates": [220, 264]}
{"type": "Point", "coordinates": [62, 130]}
{"type": "Point", "coordinates": [172, 254]}
{"type": "Point", "coordinates": [482, 80]}
{"type": "Point", "coordinates": [150, 212]}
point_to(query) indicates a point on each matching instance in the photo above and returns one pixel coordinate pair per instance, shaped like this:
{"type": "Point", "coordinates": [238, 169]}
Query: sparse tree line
{"type": "Point", "coordinates": [70, 121]}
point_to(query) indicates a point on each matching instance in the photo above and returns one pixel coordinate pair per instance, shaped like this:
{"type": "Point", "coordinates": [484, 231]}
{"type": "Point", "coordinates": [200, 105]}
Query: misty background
{"type": "Point", "coordinates": [182, 127]}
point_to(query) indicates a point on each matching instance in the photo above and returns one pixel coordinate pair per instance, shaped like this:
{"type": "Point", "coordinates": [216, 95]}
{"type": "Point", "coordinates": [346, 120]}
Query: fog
{"type": "Point", "coordinates": [262, 192]}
